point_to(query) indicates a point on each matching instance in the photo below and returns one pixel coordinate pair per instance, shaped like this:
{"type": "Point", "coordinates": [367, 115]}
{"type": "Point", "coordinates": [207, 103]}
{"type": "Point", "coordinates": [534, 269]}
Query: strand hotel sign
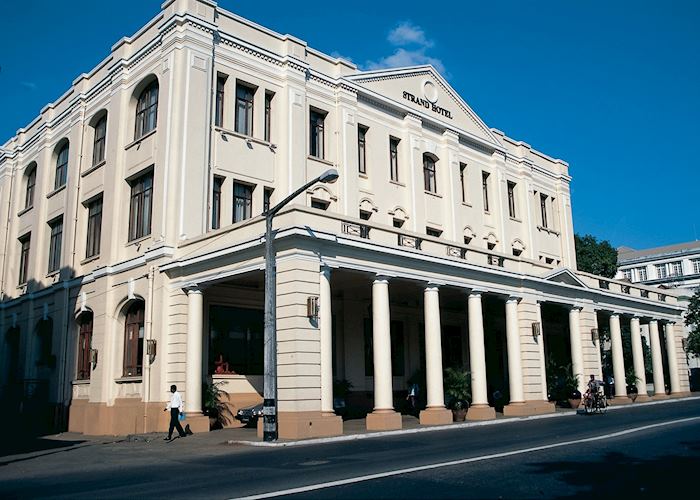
{"type": "Point", "coordinates": [430, 101]}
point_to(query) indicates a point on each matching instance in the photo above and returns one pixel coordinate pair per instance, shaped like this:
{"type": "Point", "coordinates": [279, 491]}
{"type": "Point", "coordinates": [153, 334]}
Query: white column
{"type": "Point", "coordinates": [596, 342]}
{"type": "Point", "coordinates": [617, 356]}
{"type": "Point", "coordinates": [381, 342]}
{"type": "Point", "coordinates": [326, 326]}
{"type": "Point", "coordinates": [576, 347]}
{"type": "Point", "coordinates": [657, 364]}
{"type": "Point", "coordinates": [193, 381]}
{"type": "Point", "coordinates": [515, 370]}
{"type": "Point", "coordinates": [672, 357]}
{"type": "Point", "coordinates": [433, 347]}
{"type": "Point", "coordinates": [477, 355]}
{"type": "Point", "coordinates": [543, 361]}
{"type": "Point", "coordinates": [638, 356]}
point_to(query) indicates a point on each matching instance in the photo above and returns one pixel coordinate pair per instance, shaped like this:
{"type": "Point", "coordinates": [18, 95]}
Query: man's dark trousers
{"type": "Point", "coordinates": [175, 423]}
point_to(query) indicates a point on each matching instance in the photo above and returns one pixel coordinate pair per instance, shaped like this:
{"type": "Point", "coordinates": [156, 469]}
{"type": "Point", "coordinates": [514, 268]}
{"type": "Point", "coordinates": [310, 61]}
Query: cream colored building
{"type": "Point", "coordinates": [132, 240]}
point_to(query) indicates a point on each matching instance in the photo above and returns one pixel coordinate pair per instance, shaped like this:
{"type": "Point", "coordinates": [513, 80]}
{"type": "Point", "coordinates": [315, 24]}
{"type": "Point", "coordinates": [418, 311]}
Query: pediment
{"type": "Point", "coordinates": [424, 90]}
{"type": "Point", "coordinates": [564, 275]}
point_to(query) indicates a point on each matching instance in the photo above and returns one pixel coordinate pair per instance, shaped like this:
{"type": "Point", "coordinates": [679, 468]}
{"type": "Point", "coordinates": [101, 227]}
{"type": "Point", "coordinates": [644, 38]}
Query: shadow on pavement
{"type": "Point", "coordinates": [22, 444]}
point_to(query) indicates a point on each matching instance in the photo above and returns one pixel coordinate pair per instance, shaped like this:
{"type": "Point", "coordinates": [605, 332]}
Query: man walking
{"type": "Point", "coordinates": [175, 407]}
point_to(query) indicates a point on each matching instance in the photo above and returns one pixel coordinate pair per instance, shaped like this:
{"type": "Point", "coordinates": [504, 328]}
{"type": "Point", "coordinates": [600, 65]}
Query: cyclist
{"type": "Point", "coordinates": [593, 391]}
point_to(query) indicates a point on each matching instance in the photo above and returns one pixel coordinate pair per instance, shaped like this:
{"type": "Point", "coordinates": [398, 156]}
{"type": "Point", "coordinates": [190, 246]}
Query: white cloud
{"type": "Point", "coordinates": [407, 33]}
{"type": "Point", "coordinates": [412, 46]}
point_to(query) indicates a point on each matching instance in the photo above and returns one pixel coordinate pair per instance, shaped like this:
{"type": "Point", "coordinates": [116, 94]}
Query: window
{"type": "Point", "coordinates": [61, 167]}
{"type": "Point", "coordinates": [31, 185]}
{"type": "Point", "coordinates": [141, 206]}
{"type": "Point", "coordinates": [84, 346]}
{"type": "Point", "coordinates": [24, 242]}
{"type": "Point", "coordinates": [511, 199]}
{"type": "Point", "coordinates": [485, 189]}
{"type": "Point", "coordinates": [641, 274]}
{"type": "Point", "coordinates": [319, 204]}
{"type": "Point", "coordinates": [676, 268]}
{"type": "Point", "coordinates": [267, 196]}
{"type": "Point", "coordinates": [661, 271]}
{"type": "Point", "coordinates": [365, 214]}
{"type": "Point", "coordinates": [242, 202]}
{"type": "Point", "coordinates": [98, 145]}
{"type": "Point", "coordinates": [394, 158]}
{"type": "Point", "coordinates": [133, 340]}
{"type": "Point", "coordinates": [398, 223]}
{"type": "Point", "coordinates": [543, 209]}
{"type": "Point", "coordinates": [147, 111]}
{"type": "Point", "coordinates": [56, 226]}
{"type": "Point", "coordinates": [268, 116]}
{"type": "Point", "coordinates": [627, 273]}
{"type": "Point", "coordinates": [462, 185]}
{"type": "Point", "coordinates": [220, 92]}
{"type": "Point", "coordinates": [361, 149]}
{"type": "Point", "coordinates": [216, 202]}
{"type": "Point", "coordinates": [696, 266]}
{"type": "Point", "coordinates": [429, 173]}
{"type": "Point", "coordinates": [94, 228]}
{"type": "Point", "coordinates": [316, 146]}
{"type": "Point", "coordinates": [244, 109]}
{"type": "Point", "coordinates": [433, 232]}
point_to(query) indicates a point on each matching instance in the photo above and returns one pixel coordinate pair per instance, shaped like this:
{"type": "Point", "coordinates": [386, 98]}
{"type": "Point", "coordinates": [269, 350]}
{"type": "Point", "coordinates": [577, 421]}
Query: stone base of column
{"type": "Point", "coordinates": [383, 420]}
{"type": "Point", "coordinates": [619, 400]}
{"type": "Point", "coordinates": [683, 394]}
{"type": "Point", "coordinates": [481, 412]}
{"type": "Point", "coordinates": [305, 425]}
{"type": "Point", "coordinates": [528, 408]}
{"type": "Point", "coordinates": [197, 421]}
{"type": "Point", "coordinates": [642, 398]}
{"type": "Point", "coordinates": [436, 416]}
{"type": "Point", "coordinates": [657, 397]}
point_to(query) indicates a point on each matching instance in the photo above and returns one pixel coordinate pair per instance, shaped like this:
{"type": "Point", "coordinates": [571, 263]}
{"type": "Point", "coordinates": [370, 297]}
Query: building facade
{"type": "Point", "coordinates": [132, 252]}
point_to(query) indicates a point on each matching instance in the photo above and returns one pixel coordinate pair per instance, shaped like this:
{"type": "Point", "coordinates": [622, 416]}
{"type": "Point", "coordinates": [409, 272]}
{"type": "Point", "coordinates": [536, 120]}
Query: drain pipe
{"type": "Point", "coordinates": [148, 335]}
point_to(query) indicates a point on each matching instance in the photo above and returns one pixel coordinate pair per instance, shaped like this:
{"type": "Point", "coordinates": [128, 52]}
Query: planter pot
{"type": "Point", "coordinates": [459, 415]}
{"type": "Point", "coordinates": [632, 393]}
{"type": "Point", "coordinates": [575, 403]}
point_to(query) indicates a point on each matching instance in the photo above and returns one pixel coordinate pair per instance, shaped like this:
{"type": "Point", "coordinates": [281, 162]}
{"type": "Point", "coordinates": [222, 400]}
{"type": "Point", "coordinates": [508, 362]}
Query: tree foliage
{"type": "Point", "coordinates": [595, 257]}
{"type": "Point", "coordinates": [692, 319]}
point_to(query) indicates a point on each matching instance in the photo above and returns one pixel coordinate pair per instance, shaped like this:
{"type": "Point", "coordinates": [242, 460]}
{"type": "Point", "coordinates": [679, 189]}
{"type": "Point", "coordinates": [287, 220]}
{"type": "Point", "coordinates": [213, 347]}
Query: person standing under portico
{"type": "Point", "coordinates": [175, 407]}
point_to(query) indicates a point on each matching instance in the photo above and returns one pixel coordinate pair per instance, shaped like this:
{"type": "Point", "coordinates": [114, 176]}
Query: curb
{"type": "Point", "coordinates": [438, 428]}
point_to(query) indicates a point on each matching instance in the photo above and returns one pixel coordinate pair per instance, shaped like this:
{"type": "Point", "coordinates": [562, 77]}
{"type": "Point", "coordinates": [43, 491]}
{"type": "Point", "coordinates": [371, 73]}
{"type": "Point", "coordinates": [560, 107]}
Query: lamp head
{"type": "Point", "coordinates": [329, 176]}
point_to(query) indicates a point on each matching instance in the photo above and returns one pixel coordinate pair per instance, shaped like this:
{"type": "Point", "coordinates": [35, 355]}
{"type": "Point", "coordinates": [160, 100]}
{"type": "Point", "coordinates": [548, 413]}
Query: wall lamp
{"type": "Point", "coordinates": [595, 336]}
{"type": "Point", "coordinates": [312, 307]}
{"type": "Point", "coordinates": [151, 350]}
{"type": "Point", "coordinates": [93, 358]}
{"type": "Point", "coordinates": [536, 329]}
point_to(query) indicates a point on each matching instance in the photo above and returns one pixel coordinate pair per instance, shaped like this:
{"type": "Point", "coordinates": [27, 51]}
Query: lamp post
{"type": "Point", "coordinates": [270, 335]}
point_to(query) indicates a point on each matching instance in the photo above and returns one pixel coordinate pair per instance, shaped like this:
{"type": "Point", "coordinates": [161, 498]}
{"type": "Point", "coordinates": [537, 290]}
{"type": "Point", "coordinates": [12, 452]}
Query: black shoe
{"type": "Point", "coordinates": [167, 438]}
{"type": "Point", "coordinates": [188, 431]}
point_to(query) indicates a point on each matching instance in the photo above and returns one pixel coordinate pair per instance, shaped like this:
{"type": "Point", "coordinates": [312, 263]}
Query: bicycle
{"type": "Point", "coordinates": [595, 403]}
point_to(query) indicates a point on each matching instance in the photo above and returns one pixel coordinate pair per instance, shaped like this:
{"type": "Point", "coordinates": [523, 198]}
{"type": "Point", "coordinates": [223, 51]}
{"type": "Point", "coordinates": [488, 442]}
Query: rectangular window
{"type": "Point", "coordinates": [220, 91]}
{"type": "Point", "coordinates": [141, 206]}
{"type": "Point", "coordinates": [429, 182]}
{"type": "Point", "coordinates": [661, 272]}
{"type": "Point", "coordinates": [268, 116]}
{"type": "Point", "coordinates": [543, 209]}
{"type": "Point", "coordinates": [98, 147]}
{"type": "Point", "coordinates": [24, 242]}
{"type": "Point", "coordinates": [316, 145]}
{"type": "Point", "coordinates": [696, 266]}
{"type": "Point", "coordinates": [31, 185]}
{"type": "Point", "coordinates": [267, 196]}
{"type": "Point", "coordinates": [394, 158]}
{"type": "Point", "coordinates": [94, 228]}
{"type": "Point", "coordinates": [365, 215]}
{"type": "Point", "coordinates": [244, 109]}
{"type": "Point", "coordinates": [485, 189]}
{"type": "Point", "coordinates": [216, 202]}
{"type": "Point", "coordinates": [361, 149]}
{"type": "Point", "coordinates": [56, 226]}
{"type": "Point", "coordinates": [641, 274]}
{"type": "Point", "coordinates": [433, 232]}
{"type": "Point", "coordinates": [462, 181]}
{"type": "Point", "coordinates": [676, 268]}
{"type": "Point", "coordinates": [84, 346]}
{"type": "Point", "coordinates": [242, 202]}
{"type": "Point", "coordinates": [627, 273]}
{"type": "Point", "coordinates": [511, 199]}
{"type": "Point", "coordinates": [319, 204]}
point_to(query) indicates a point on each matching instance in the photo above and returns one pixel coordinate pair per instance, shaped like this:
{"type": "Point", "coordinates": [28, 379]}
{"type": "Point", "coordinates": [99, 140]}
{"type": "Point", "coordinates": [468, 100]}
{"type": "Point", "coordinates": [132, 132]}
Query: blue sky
{"type": "Point", "coordinates": [611, 87]}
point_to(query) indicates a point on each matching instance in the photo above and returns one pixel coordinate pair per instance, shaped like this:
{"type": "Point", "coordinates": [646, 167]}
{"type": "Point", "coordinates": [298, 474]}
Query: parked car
{"type": "Point", "coordinates": [250, 415]}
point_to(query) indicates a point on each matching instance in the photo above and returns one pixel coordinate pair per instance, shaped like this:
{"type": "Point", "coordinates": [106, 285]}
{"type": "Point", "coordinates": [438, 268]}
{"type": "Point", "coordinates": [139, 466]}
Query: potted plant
{"type": "Point", "coordinates": [631, 380]}
{"type": "Point", "coordinates": [457, 385]}
{"type": "Point", "coordinates": [213, 405]}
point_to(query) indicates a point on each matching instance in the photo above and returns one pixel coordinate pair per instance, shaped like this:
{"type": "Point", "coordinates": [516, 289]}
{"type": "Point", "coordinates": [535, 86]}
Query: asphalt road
{"type": "Point", "coordinates": [639, 452]}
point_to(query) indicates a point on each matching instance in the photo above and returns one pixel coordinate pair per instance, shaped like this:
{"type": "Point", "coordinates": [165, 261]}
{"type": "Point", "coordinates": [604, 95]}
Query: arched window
{"type": "Point", "coordinates": [429, 173]}
{"type": "Point", "coordinates": [61, 167]}
{"type": "Point", "coordinates": [147, 110]}
{"type": "Point", "coordinates": [30, 186]}
{"type": "Point", "coordinates": [133, 340]}
{"type": "Point", "coordinates": [98, 146]}
{"type": "Point", "coordinates": [84, 345]}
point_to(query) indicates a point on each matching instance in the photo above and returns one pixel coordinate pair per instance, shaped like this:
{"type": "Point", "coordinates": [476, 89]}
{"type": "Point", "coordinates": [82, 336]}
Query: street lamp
{"type": "Point", "coordinates": [270, 348]}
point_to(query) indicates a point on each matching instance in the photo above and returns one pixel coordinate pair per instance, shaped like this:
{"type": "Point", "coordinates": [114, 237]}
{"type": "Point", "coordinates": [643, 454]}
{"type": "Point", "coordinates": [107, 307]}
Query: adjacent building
{"type": "Point", "coordinates": [132, 242]}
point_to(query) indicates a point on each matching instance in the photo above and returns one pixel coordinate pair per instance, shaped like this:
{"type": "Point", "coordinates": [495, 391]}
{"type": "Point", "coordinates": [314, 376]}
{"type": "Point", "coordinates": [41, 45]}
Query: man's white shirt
{"type": "Point", "coordinates": [175, 401]}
